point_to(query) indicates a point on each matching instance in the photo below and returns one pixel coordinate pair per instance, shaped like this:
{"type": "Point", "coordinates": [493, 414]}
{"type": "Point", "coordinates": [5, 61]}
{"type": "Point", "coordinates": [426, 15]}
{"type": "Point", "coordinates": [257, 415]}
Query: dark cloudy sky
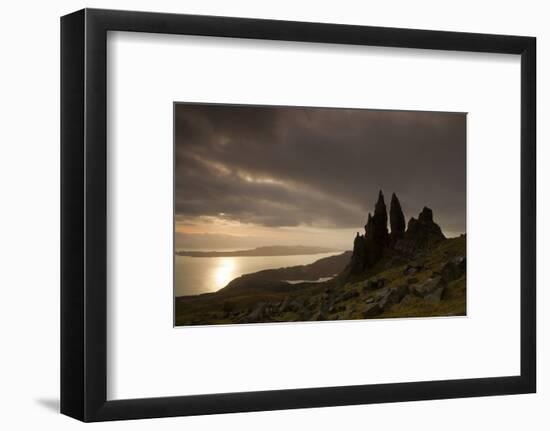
{"type": "Point", "coordinates": [249, 176]}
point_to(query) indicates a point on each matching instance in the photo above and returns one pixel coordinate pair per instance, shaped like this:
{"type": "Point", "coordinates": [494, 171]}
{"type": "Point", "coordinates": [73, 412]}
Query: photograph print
{"type": "Point", "coordinates": [299, 214]}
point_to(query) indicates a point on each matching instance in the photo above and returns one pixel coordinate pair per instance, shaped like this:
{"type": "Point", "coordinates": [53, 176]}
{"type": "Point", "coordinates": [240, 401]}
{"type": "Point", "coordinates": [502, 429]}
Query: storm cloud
{"type": "Point", "coordinates": [318, 167]}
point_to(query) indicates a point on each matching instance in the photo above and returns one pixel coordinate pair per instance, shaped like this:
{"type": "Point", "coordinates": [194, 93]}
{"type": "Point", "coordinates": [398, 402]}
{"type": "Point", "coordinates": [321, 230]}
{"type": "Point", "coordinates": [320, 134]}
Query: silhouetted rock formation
{"type": "Point", "coordinates": [376, 234]}
{"type": "Point", "coordinates": [358, 260]}
{"type": "Point", "coordinates": [397, 220]}
{"type": "Point", "coordinates": [369, 244]}
{"type": "Point", "coordinates": [421, 232]}
{"type": "Point", "coordinates": [368, 249]}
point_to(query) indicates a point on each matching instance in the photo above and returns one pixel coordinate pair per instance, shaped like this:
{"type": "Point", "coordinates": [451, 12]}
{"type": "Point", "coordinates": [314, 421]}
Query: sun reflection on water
{"type": "Point", "coordinates": [224, 272]}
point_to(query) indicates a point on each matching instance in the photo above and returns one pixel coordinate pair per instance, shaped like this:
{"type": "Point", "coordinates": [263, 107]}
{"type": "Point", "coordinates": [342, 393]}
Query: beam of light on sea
{"type": "Point", "coordinates": [224, 272]}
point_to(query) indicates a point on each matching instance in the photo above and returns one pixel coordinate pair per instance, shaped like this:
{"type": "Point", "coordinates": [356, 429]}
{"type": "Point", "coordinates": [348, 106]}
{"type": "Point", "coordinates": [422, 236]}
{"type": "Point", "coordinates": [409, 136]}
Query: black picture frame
{"type": "Point", "coordinates": [84, 214]}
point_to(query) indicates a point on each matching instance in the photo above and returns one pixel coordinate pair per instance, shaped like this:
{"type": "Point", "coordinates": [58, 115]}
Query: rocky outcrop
{"type": "Point", "coordinates": [376, 234]}
{"type": "Point", "coordinates": [421, 233]}
{"type": "Point", "coordinates": [397, 220]}
{"type": "Point", "coordinates": [369, 248]}
{"type": "Point", "coordinates": [427, 286]}
{"type": "Point", "coordinates": [429, 291]}
{"type": "Point", "coordinates": [453, 269]}
{"type": "Point", "coordinates": [377, 242]}
{"type": "Point", "coordinates": [385, 299]}
{"type": "Point", "coordinates": [357, 265]}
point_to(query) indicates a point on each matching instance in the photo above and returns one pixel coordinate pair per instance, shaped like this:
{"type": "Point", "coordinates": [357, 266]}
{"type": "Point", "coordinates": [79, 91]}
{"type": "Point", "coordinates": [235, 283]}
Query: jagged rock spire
{"type": "Point", "coordinates": [397, 219]}
{"type": "Point", "coordinates": [368, 226]}
{"type": "Point", "coordinates": [376, 237]}
{"type": "Point", "coordinates": [357, 265]}
{"type": "Point", "coordinates": [380, 220]}
{"type": "Point", "coordinates": [380, 212]}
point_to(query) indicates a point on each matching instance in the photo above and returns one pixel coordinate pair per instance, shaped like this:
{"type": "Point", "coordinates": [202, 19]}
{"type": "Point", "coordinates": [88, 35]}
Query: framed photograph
{"type": "Point", "coordinates": [262, 215]}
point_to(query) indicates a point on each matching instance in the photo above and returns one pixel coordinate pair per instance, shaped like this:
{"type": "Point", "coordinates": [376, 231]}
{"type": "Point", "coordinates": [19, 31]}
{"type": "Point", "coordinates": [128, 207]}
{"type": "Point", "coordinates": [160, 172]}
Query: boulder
{"type": "Point", "coordinates": [453, 269]}
{"type": "Point", "coordinates": [408, 300]}
{"type": "Point", "coordinates": [413, 268]}
{"type": "Point", "coordinates": [346, 296]}
{"type": "Point", "coordinates": [382, 293]}
{"type": "Point", "coordinates": [393, 296]}
{"type": "Point", "coordinates": [435, 296]}
{"type": "Point", "coordinates": [374, 284]}
{"type": "Point", "coordinates": [258, 313]}
{"type": "Point", "coordinates": [372, 310]}
{"type": "Point", "coordinates": [426, 287]}
{"type": "Point", "coordinates": [450, 271]}
{"type": "Point", "coordinates": [461, 262]}
{"type": "Point", "coordinates": [410, 270]}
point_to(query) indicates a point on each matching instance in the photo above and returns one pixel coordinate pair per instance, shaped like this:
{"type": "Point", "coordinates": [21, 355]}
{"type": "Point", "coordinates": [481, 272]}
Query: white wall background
{"type": "Point", "coordinates": [29, 224]}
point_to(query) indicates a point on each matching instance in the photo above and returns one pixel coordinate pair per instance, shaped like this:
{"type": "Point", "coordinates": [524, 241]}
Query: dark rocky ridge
{"type": "Point", "coordinates": [369, 248]}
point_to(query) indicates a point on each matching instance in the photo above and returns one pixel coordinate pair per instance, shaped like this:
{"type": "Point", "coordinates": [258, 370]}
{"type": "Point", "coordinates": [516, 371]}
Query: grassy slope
{"type": "Point", "coordinates": [338, 300]}
{"type": "Point", "coordinates": [454, 298]}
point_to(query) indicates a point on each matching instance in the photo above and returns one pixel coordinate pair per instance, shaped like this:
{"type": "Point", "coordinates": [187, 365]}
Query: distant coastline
{"type": "Point", "coordinates": [279, 250]}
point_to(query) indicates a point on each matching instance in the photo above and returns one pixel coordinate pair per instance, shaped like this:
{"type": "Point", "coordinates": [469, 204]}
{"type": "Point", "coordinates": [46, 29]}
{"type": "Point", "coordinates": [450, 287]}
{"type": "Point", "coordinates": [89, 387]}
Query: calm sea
{"type": "Point", "coordinates": [196, 275]}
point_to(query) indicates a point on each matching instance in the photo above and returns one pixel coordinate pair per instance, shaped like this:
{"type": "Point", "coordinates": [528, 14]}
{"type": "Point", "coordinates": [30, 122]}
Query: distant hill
{"type": "Point", "coordinates": [275, 250]}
